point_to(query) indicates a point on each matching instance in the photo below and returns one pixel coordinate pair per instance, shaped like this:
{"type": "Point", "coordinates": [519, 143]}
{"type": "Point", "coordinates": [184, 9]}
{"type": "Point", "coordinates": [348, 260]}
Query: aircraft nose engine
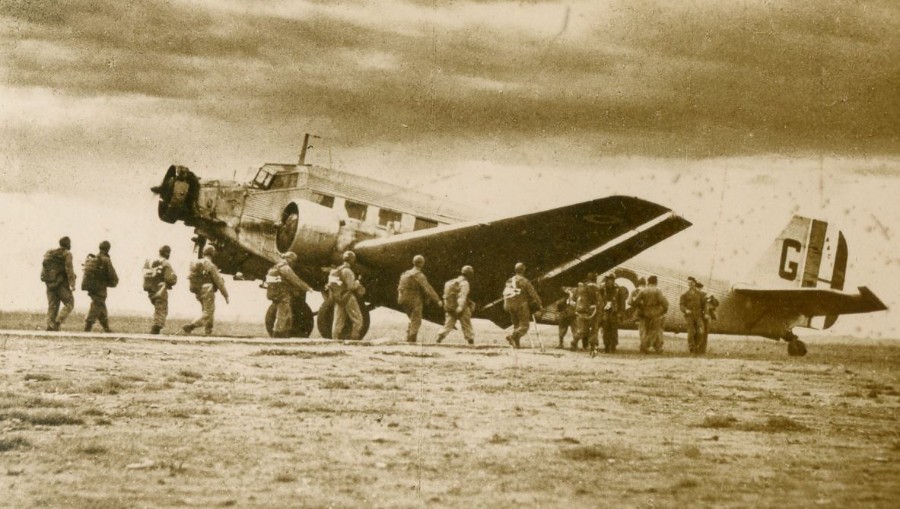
{"type": "Point", "coordinates": [178, 194]}
{"type": "Point", "coordinates": [309, 230]}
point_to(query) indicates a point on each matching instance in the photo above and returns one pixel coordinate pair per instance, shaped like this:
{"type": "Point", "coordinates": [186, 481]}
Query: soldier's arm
{"type": "Point", "coordinates": [169, 275]}
{"type": "Point", "coordinates": [111, 275]}
{"type": "Point", "coordinates": [664, 302]}
{"type": "Point", "coordinates": [463, 297]}
{"type": "Point", "coordinates": [294, 279]}
{"type": "Point", "coordinates": [426, 286]}
{"type": "Point", "coordinates": [70, 271]}
{"type": "Point", "coordinates": [682, 303]}
{"type": "Point", "coordinates": [217, 279]}
{"type": "Point", "coordinates": [533, 295]}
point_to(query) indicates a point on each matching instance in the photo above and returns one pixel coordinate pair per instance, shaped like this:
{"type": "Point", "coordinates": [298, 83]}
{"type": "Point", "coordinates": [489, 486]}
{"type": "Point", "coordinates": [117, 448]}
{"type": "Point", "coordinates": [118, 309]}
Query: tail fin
{"type": "Point", "coordinates": [808, 253]}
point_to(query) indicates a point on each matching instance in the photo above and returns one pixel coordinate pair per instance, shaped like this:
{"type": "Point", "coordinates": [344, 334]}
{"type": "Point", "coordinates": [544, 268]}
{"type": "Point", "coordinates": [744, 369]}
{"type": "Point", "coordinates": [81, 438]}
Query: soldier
{"type": "Point", "coordinates": [585, 314]}
{"type": "Point", "coordinates": [639, 286]}
{"type": "Point", "coordinates": [282, 285]}
{"type": "Point", "coordinates": [520, 300]}
{"type": "Point", "coordinates": [710, 305]}
{"type": "Point", "coordinates": [593, 288]}
{"type": "Point", "coordinates": [159, 278]}
{"type": "Point", "coordinates": [99, 274]}
{"type": "Point", "coordinates": [205, 280]}
{"type": "Point", "coordinates": [457, 305]}
{"type": "Point", "coordinates": [610, 309]}
{"type": "Point", "coordinates": [653, 307]}
{"type": "Point", "coordinates": [59, 277]}
{"type": "Point", "coordinates": [344, 287]}
{"type": "Point", "coordinates": [691, 304]}
{"type": "Point", "coordinates": [412, 290]}
{"type": "Point", "coordinates": [566, 310]}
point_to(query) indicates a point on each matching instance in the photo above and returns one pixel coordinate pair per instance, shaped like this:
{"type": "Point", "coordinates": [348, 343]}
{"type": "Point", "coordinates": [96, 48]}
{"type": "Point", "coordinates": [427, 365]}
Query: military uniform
{"type": "Point", "coordinates": [636, 312]}
{"type": "Point", "coordinates": [164, 279]}
{"type": "Point", "coordinates": [105, 277]}
{"type": "Point", "coordinates": [343, 286]}
{"type": "Point", "coordinates": [519, 299]}
{"type": "Point", "coordinates": [205, 282]}
{"type": "Point", "coordinates": [282, 285]}
{"type": "Point", "coordinates": [566, 310]}
{"type": "Point", "coordinates": [610, 309]}
{"type": "Point", "coordinates": [412, 291]}
{"type": "Point", "coordinates": [691, 304]}
{"type": "Point", "coordinates": [586, 301]}
{"type": "Point", "coordinates": [653, 306]}
{"type": "Point", "coordinates": [458, 308]}
{"type": "Point", "coordinates": [59, 278]}
{"type": "Point", "coordinates": [710, 305]}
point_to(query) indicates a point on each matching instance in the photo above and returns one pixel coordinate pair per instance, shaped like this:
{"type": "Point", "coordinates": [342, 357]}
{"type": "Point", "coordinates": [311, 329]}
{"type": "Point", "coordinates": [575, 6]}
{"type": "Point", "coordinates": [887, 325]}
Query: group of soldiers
{"type": "Point", "coordinates": [590, 310]}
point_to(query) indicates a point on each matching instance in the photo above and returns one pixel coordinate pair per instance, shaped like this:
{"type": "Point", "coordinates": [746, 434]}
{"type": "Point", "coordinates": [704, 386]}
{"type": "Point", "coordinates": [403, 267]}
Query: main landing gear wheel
{"type": "Point", "coordinates": [796, 348]}
{"type": "Point", "coordinates": [302, 324]}
{"type": "Point", "coordinates": [325, 319]}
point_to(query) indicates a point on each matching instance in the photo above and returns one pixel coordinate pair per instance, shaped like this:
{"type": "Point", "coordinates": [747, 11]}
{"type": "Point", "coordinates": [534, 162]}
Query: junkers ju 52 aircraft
{"type": "Point", "coordinates": [318, 213]}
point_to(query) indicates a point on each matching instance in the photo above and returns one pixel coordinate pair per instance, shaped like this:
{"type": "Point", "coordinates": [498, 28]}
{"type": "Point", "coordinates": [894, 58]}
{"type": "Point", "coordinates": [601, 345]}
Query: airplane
{"type": "Point", "coordinates": [318, 213]}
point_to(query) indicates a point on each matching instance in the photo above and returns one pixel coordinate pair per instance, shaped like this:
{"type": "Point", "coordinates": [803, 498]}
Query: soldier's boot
{"type": "Point", "coordinates": [187, 329]}
{"type": "Point", "coordinates": [511, 341]}
{"type": "Point", "coordinates": [470, 341]}
{"type": "Point", "coordinates": [410, 338]}
{"type": "Point", "coordinates": [562, 343]}
{"type": "Point", "coordinates": [593, 351]}
{"type": "Point", "coordinates": [516, 342]}
{"type": "Point", "coordinates": [105, 326]}
{"type": "Point", "coordinates": [54, 326]}
{"type": "Point", "coordinates": [156, 329]}
{"type": "Point", "coordinates": [574, 345]}
{"type": "Point", "coordinates": [439, 338]}
{"type": "Point", "coordinates": [88, 326]}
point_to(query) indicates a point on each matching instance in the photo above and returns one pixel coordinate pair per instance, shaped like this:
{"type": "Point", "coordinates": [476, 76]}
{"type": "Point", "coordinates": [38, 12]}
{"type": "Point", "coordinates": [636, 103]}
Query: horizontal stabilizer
{"type": "Point", "coordinates": [815, 301]}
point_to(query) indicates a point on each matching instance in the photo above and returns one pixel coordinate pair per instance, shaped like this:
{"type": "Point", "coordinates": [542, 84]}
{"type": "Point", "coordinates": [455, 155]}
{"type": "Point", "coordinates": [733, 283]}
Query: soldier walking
{"type": "Point", "coordinates": [344, 287]}
{"type": "Point", "coordinates": [586, 300]}
{"type": "Point", "coordinates": [159, 278]}
{"type": "Point", "coordinates": [691, 304]}
{"type": "Point", "coordinates": [457, 306]}
{"type": "Point", "coordinates": [632, 301]}
{"type": "Point", "coordinates": [653, 307]}
{"type": "Point", "coordinates": [566, 310]}
{"type": "Point", "coordinates": [59, 277]}
{"type": "Point", "coordinates": [205, 281]}
{"type": "Point", "coordinates": [610, 309]}
{"type": "Point", "coordinates": [520, 300]}
{"type": "Point", "coordinates": [282, 285]}
{"type": "Point", "coordinates": [710, 305]}
{"type": "Point", "coordinates": [412, 291]}
{"type": "Point", "coordinates": [99, 274]}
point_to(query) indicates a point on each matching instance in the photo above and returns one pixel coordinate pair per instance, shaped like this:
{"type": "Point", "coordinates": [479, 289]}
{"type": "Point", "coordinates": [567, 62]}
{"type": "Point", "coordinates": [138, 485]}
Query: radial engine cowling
{"type": "Point", "coordinates": [309, 230]}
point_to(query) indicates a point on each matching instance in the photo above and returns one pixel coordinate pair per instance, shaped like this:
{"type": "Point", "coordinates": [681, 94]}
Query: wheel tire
{"type": "Point", "coordinates": [302, 321]}
{"type": "Point", "coordinates": [796, 348]}
{"type": "Point", "coordinates": [325, 318]}
{"type": "Point", "coordinates": [270, 320]}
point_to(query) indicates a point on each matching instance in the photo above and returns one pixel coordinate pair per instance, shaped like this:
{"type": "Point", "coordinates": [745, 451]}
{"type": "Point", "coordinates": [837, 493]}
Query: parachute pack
{"type": "Point", "coordinates": [198, 276]}
{"type": "Point", "coordinates": [54, 266]}
{"type": "Point", "coordinates": [153, 275]}
{"type": "Point", "coordinates": [451, 294]}
{"type": "Point", "coordinates": [94, 275]}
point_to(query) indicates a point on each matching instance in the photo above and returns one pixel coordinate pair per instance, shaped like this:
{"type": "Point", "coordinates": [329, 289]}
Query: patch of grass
{"type": "Point", "coordinates": [10, 443]}
{"type": "Point", "coordinates": [335, 384]}
{"type": "Point", "coordinates": [93, 412]}
{"type": "Point", "coordinates": [285, 477]}
{"type": "Point", "coordinates": [103, 422]}
{"type": "Point", "coordinates": [587, 453]}
{"type": "Point", "coordinates": [186, 373]}
{"type": "Point", "coordinates": [37, 377]}
{"type": "Point", "coordinates": [718, 421]}
{"type": "Point", "coordinates": [109, 386]}
{"type": "Point", "coordinates": [41, 419]}
{"type": "Point", "coordinates": [93, 450]}
{"type": "Point", "coordinates": [498, 439]}
{"type": "Point", "coordinates": [775, 424]}
{"type": "Point", "coordinates": [11, 400]}
{"type": "Point", "coordinates": [691, 451]}
{"type": "Point", "coordinates": [299, 353]}
{"type": "Point", "coordinates": [423, 355]}
{"type": "Point", "coordinates": [686, 484]}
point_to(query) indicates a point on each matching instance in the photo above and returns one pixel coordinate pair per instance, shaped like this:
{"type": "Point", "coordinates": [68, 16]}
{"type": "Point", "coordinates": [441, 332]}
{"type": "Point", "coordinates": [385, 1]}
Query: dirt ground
{"type": "Point", "coordinates": [114, 422]}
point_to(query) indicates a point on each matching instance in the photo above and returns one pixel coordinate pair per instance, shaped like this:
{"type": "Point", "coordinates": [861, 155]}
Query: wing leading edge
{"type": "Point", "coordinates": [559, 246]}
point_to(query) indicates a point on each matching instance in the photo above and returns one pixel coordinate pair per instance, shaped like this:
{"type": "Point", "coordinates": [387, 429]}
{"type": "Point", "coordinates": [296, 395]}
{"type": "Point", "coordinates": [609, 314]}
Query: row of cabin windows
{"type": "Point", "coordinates": [386, 217]}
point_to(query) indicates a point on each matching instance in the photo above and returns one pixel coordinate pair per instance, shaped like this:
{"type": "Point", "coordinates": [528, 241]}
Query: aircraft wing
{"type": "Point", "coordinates": [815, 301]}
{"type": "Point", "coordinates": [559, 246]}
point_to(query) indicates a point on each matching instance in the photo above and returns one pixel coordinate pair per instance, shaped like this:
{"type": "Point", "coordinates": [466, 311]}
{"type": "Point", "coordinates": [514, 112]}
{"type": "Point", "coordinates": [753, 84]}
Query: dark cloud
{"type": "Point", "coordinates": [672, 79]}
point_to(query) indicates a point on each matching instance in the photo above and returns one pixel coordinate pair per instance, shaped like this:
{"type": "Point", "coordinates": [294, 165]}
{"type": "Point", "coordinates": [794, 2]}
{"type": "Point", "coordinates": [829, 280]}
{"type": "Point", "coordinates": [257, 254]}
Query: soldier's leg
{"type": "Point", "coordinates": [642, 335]}
{"type": "Point", "coordinates": [415, 321]}
{"type": "Point", "coordinates": [523, 322]}
{"type": "Point", "coordinates": [704, 334]}
{"type": "Point", "coordinates": [283, 317]}
{"type": "Point", "coordinates": [93, 311]}
{"type": "Point", "coordinates": [449, 325]}
{"type": "Point", "coordinates": [657, 326]}
{"type": "Point", "coordinates": [102, 313]}
{"type": "Point", "coordinates": [68, 301]}
{"type": "Point", "coordinates": [53, 302]}
{"type": "Point", "coordinates": [209, 311]}
{"type": "Point", "coordinates": [465, 321]}
{"type": "Point", "coordinates": [339, 322]}
{"type": "Point", "coordinates": [355, 316]}
{"type": "Point", "coordinates": [160, 312]}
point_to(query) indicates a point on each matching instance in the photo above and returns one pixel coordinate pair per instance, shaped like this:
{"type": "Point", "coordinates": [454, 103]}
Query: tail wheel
{"type": "Point", "coordinates": [302, 324]}
{"type": "Point", "coordinates": [325, 319]}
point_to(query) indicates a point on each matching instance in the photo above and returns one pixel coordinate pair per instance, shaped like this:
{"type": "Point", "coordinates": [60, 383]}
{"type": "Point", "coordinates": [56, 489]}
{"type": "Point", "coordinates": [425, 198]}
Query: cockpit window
{"type": "Point", "coordinates": [285, 181]}
{"type": "Point", "coordinates": [263, 179]}
{"type": "Point", "coordinates": [385, 217]}
{"type": "Point", "coordinates": [356, 210]}
{"type": "Point", "coordinates": [424, 224]}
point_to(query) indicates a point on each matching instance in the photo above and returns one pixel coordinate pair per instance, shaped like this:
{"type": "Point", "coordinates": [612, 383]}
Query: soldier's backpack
{"type": "Point", "coordinates": [451, 294]}
{"type": "Point", "coordinates": [94, 276]}
{"type": "Point", "coordinates": [54, 266]}
{"type": "Point", "coordinates": [198, 276]}
{"type": "Point", "coordinates": [512, 294]}
{"type": "Point", "coordinates": [275, 287]}
{"type": "Point", "coordinates": [153, 275]}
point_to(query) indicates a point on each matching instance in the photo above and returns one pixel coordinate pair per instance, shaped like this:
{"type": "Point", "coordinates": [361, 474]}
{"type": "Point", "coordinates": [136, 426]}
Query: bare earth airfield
{"type": "Point", "coordinates": [129, 421]}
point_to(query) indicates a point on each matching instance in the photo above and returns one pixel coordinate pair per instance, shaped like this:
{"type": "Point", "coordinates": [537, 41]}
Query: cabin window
{"type": "Point", "coordinates": [263, 179]}
{"type": "Point", "coordinates": [386, 217]}
{"type": "Point", "coordinates": [424, 224]}
{"type": "Point", "coordinates": [324, 200]}
{"type": "Point", "coordinates": [356, 210]}
{"type": "Point", "coordinates": [285, 180]}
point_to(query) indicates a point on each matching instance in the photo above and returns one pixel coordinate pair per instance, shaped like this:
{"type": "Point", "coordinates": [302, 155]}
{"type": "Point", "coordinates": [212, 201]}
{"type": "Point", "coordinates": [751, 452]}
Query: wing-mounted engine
{"type": "Point", "coordinates": [309, 230]}
{"type": "Point", "coordinates": [178, 195]}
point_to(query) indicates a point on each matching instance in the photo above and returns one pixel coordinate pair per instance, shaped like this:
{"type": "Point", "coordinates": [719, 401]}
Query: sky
{"type": "Point", "coordinates": [737, 115]}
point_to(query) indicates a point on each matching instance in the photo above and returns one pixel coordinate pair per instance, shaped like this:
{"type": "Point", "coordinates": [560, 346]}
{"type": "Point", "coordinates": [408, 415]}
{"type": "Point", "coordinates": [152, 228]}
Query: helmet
{"type": "Point", "coordinates": [520, 268]}
{"type": "Point", "coordinates": [349, 256]}
{"type": "Point", "coordinates": [467, 271]}
{"type": "Point", "coordinates": [104, 246]}
{"type": "Point", "coordinates": [209, 251]}
{"type": "Point", "coordinates": [165, 251]}
{"type": "Point", "coordinates": [419, 261]}
{"type": "Point", "coordinates": [65, 242]}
